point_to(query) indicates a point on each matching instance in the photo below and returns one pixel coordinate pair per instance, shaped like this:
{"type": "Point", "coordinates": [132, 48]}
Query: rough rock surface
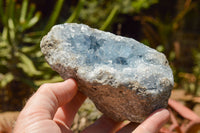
{"type": "Point", "coordinates": [124, 78]}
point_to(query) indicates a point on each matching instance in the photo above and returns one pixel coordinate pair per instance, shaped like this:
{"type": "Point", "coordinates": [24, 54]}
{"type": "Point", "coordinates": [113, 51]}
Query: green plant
{"type": "Point", "coordinates": [160, 31]}
{"type": "Point", "coordinates": [19, 44]}
{"type": "Point", "coordinates": [169, 34]}
{"type": "Point", "coordinates": [102, 13]}
{"type": "Point", "coordinates": [22, 65]}
{"type": "Point", "coordinates": [196, 71]}
{"type": "Point", "coordinates": [142, 4]}
{"type": "Point", "coordinates": [76, 11]}
{"type": "Point", "coordinates": [13, 58]}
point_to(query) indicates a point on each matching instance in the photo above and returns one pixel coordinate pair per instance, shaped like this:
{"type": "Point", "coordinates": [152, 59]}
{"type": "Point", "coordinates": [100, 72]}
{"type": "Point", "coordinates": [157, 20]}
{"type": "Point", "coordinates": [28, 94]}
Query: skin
{"type": "Point", "coordinates": [53, 107]}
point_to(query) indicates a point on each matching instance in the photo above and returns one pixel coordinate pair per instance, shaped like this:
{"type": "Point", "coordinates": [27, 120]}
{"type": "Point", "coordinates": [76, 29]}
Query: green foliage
{"type": "Point", "coordinates": [76, 12]}
{"type": "Point", "coordinates": [54, 16]}
{"type": "Point", "coordinates": [196, 71]}
{"type": "Point", "coordinates": [142, 4]}
{"type": "Point", "coordinates": [19, 44]}
{"type": "Point", "coordinates": [110, 18]}
{"type": "Point", "coordinates": [191, 82]}
{"type": "Point", "coordinates": [172, 35]}
{"type": "Point", "coordinates": [102, 13]}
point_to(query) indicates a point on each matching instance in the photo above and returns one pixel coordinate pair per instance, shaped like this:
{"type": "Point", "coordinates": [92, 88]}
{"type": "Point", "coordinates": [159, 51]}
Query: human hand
{"type": "Point", "coordinates": [53, 107]}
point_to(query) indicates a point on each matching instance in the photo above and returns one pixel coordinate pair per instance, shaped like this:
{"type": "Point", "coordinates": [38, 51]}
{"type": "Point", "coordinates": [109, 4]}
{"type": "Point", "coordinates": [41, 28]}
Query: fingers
{"type": "Point", "coordinates": [154, 122]}
{"type": "Point", "coordinates": [67, 113]}
{"type": "Point", "coordinates": [129, 128]}
{"type": "Point", "coordinates": [151, 125]}
{"type": "Point", "coordinates": [103, 125]}
{"type": "Point", "coordinates": [50, 97]}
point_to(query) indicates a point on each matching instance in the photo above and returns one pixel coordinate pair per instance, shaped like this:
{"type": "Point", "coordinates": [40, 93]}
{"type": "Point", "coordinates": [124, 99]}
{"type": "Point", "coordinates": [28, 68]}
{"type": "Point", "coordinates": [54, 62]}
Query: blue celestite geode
{"type": "Point", "coordinates": [124, 78]}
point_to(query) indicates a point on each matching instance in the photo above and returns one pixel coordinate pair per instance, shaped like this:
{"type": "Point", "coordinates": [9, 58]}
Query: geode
{"type": "Point", "coordinates": [124, 78]}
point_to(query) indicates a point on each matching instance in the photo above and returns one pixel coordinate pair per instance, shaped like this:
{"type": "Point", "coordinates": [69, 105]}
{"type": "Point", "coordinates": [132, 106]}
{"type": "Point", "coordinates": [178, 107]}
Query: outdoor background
{"type": "Point", "coordinates": [170, 26]}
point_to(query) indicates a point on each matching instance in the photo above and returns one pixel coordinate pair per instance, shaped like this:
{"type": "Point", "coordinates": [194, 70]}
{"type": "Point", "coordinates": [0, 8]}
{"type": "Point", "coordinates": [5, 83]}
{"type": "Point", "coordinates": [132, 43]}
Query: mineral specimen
{"type": "Point", "coordinates": [124, 78]}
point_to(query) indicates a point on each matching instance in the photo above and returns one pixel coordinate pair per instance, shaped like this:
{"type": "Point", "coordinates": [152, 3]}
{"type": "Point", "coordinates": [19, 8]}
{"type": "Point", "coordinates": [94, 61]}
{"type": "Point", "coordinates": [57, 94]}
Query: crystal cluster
{"type": "Point", "coordinates": [124, 78]}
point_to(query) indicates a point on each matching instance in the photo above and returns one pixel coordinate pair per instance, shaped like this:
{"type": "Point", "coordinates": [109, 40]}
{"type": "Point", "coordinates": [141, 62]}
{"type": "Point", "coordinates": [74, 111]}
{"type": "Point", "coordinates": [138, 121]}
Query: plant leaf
{"type": "Point", "coordinates": [27, 65]}
{"type": "Point", "coordinates": [5, 33]}
{"type": "Point", "coordinates": [31, 40]}
{"type": "Point", "coordinates": [23, 11]}
{"type": "Point", "coordinates": [110, 18]}
{"type": "Point", "coordinates": [29, 49]}
{"type": "Point", "coordinates": [76, 12]}
{"type": "Point", "coordinates": [2, 16]}
{"type": "Point", "coordinates": [11, 29]}
{"type": "Point", "coordinates": [10, 9]}
{"type": "Point", "coordinates": [31, 11]}
{"type": "Point", "coordinates": [54, 16]}
{"type": "Point", "coordinates": [52, 80]}
{"type": "Point", "coordinates": [32, 21]}
{"type": "Point", "coordinates": [29, 82]}
{"type": "Point", "coordinates": [5, 79]}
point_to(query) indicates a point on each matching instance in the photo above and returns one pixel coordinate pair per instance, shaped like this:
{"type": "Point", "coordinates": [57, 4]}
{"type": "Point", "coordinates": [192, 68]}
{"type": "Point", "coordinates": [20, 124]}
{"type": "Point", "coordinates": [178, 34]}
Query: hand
{"type": "Point", "coordinates": [53, 107]}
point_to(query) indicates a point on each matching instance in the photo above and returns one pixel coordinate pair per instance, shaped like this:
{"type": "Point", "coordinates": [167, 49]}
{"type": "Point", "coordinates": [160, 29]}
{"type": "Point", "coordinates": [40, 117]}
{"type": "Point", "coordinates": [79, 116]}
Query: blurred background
{"type": "Point", "coordinates": [170, 26]}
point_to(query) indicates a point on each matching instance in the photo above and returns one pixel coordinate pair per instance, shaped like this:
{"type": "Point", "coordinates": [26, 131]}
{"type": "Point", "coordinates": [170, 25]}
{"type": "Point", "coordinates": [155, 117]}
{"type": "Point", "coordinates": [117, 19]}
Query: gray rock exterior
{"type": "Point", "coordinates": [124, 78]}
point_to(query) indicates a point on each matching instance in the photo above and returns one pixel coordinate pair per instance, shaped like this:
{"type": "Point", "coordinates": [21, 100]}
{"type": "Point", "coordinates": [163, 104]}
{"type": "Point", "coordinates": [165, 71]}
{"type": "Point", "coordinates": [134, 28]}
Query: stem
{"type": "Point", "coordinates": [196, 85]}
{"type": "Point", "coordinates": [23, 11]}
{"type": "Point", "coordinates": [2, 12]}
{"type": "Point", "coordinates": [110, 18]}
{"type": "Point", "coordinates": [54, 16]}
{"type": "Point", "coordinates": [76, 12]}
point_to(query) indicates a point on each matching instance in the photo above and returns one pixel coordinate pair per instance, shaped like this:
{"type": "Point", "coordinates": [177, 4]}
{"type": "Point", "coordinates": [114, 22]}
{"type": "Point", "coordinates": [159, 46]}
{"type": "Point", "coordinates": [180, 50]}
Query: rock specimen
{"type": "Point", "coordinates": [124, 78]}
